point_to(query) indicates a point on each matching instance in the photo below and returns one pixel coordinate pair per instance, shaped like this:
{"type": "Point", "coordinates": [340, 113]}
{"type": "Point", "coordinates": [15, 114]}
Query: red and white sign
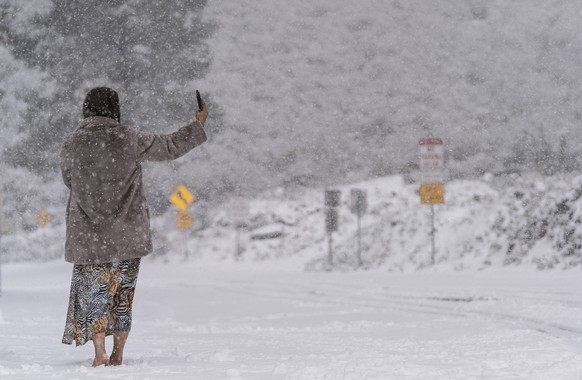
{"type": "Point", "coordinates": [432, 160]}
{"type": "Point", "coordinates": [432, 155]}
{"type": "Point", "coordinates": [238, 210]}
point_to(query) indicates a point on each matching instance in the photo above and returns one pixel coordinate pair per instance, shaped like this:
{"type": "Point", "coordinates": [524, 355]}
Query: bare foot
{"type": "Point", "coordinates": [119, 339]}
{"type": "Point", "coordinates": [101, 360]}
{"type": "Point", "coordinates": [116, 359]}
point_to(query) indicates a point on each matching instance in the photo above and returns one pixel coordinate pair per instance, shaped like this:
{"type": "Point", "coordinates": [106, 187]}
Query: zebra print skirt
{"type": "Point", "coordinates": [101, 300]}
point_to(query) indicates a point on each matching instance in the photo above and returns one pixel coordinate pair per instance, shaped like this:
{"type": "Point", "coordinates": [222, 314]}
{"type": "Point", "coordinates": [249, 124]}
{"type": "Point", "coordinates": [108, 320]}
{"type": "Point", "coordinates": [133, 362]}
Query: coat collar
{"type": "Point", "coordinates": [92, 122]}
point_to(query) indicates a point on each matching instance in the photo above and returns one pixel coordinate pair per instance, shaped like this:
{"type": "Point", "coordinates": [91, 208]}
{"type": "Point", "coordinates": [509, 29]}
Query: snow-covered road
{"type": "Point", "coordinates": [209, 320]}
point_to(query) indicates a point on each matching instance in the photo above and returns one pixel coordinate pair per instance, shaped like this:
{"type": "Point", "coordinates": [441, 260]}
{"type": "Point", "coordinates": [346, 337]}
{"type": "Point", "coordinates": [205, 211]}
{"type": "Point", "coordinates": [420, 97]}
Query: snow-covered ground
{"type": "Point", "coordinates": [200, 319]}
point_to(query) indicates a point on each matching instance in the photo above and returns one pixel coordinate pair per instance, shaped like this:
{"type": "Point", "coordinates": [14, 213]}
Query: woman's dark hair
{"type": "Point", "coordinates": [102, 101]}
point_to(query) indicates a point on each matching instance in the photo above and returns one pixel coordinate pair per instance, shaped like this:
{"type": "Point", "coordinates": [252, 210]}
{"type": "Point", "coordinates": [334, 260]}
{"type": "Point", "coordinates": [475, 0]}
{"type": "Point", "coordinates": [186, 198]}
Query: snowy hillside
{"type": "Point", "coordinates": [492, 222]}
{"type": "Point", "coordinates": [302, 92]}
{"type": "Point", "coordinates": [342, 89]}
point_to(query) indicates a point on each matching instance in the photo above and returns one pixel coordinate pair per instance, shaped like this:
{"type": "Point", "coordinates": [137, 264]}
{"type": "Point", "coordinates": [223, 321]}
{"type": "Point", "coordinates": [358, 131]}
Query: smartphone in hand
{"type": "Point", "coordinates": [199, 99]}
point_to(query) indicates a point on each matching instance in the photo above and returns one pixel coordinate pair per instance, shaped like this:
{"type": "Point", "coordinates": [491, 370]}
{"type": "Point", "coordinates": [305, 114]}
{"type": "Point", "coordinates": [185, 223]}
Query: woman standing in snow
{"type": "Point", "coordinates": [108, 222]}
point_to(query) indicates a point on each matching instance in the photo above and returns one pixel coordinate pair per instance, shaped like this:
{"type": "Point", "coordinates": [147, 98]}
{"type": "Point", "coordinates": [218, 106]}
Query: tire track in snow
{"type": "Point", "coordinates": [429, 303]}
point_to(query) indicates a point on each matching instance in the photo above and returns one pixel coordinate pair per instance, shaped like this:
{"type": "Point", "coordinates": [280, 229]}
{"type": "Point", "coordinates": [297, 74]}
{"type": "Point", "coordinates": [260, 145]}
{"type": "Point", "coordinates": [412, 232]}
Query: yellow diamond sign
{"type": "Point", "coordinates": [182, 197]}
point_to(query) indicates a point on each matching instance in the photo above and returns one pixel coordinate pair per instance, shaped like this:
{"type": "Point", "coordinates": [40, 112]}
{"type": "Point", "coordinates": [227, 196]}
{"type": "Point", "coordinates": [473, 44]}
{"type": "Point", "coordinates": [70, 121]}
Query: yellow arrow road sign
{"type": "Point", "coordinates": [182, 197]}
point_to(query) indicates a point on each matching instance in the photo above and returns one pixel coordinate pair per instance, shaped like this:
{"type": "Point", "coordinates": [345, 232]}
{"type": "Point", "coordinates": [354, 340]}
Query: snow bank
{"type": "Point", "coordinates": [492, 222]}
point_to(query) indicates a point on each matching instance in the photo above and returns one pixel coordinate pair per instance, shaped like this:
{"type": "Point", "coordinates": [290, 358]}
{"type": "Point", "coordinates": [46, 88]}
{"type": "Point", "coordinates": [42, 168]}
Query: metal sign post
{"type": "Point", "coordinates": [239, 214]}
{"type": "Point", "coordinates": [1, 232]}
{"type": "Point", "coordinates": [238, 245]}
{"type": "Point", "coordinates": [432, 188]}
{"type": "Point", "coordinates": [331, 200]}
{"type": "Point", "coordinates": [331, 222]}
{"type": "Point", "coordinates": [358, 206]}
{"type": "Point", "coordinates": [433, 235]}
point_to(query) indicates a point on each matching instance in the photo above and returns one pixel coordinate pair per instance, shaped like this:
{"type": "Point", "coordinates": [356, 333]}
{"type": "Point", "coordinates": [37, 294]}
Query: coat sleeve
{"type": "Point", "coordinates": [65, 161]}
{"type": "Point", "coordinates": [153, 147]}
